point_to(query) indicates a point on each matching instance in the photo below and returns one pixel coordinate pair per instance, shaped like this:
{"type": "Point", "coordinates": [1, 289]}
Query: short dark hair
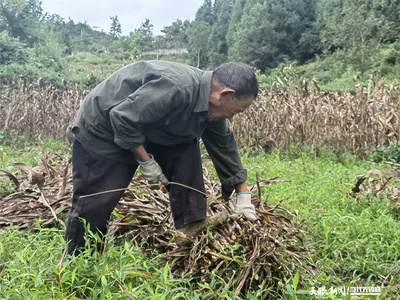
{"type": "Point", "coordinates": [239, 77]}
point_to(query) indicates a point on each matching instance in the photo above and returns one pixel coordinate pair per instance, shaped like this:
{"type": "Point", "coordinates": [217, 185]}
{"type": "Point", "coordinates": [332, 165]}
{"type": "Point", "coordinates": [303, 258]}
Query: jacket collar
{"type": "Point", "coordinates": [205, 88]}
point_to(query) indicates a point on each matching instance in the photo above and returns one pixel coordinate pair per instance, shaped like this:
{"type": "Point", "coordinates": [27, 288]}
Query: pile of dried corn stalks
{"type": "Point", "coordinates": [247, 254]}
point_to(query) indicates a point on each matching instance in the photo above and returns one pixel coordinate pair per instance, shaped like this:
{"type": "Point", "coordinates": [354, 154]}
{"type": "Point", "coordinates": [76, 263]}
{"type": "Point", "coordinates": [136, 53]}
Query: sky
{"type": "Point", "coordinates": [131, 13]}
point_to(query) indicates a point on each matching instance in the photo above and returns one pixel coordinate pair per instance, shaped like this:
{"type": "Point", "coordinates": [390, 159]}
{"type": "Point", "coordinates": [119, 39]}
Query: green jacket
{"type": "Point", "coordinates": [161, 102]}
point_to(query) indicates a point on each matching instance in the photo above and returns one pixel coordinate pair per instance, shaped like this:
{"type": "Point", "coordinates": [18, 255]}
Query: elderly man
{"type": "Point", "coordinates": [151, 114]}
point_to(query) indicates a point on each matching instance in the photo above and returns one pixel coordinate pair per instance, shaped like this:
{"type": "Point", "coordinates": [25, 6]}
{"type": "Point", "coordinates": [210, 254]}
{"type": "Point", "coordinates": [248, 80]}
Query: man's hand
{"type": "Point", "coordinates": [244, 206]}
{"type": "Point", "coordinates": [152, 172]}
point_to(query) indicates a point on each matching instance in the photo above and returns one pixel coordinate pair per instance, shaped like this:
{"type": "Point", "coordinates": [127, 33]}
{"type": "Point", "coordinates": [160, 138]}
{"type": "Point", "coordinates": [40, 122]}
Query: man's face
{"type": "Point", "coordinates": [228, 106]}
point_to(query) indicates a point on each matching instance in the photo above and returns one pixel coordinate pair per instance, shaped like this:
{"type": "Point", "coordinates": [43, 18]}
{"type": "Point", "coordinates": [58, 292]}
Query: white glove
{"type": "Point", "coordinates": [244, 206]}
{"type": "Point", "coordinates": [152, 172]}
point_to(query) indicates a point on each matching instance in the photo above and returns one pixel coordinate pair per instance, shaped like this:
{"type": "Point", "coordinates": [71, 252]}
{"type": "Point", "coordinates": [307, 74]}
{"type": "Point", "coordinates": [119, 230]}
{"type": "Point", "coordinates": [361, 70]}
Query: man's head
{"type": "Point", "coordinates": [234, 87]}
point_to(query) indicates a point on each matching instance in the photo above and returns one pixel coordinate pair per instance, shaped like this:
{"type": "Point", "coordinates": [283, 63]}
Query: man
{"type": "Point", "coordinates": [151, 114]}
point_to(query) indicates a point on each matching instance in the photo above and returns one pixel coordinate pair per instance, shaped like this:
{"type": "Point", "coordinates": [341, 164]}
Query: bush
{"type": "Point", "coordinates": [30, 72]}
{"type": "Point", "coordinates": [11, 50]}
{"type": "Point", "coordinates": [390, 153]}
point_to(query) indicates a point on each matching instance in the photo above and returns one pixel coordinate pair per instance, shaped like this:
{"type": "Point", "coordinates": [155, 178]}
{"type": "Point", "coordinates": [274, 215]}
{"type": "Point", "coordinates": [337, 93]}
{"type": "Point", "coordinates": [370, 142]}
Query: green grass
{"type": "Point", "coordinates": [354, 238]}
{"type": "Point", "coordinates": [356, 243]}
{"type": "Point", "coordinates": [28, 153]}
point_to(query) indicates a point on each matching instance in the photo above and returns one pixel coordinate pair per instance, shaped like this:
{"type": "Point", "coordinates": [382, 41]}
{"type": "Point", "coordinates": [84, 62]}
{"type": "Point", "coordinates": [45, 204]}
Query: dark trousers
{"type": "Point", "coordinates": [93, 173]}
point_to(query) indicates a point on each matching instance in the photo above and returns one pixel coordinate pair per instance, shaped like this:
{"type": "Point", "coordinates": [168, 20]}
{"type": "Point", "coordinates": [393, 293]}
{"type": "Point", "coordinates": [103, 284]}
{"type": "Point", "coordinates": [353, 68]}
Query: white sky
{"type": "Point", "coordinates": [131, 13]}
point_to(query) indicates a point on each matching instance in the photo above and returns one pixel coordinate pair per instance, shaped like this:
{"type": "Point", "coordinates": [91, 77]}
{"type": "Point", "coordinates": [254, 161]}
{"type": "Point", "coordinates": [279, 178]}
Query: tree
{"type": "Point", "coordinates": [175, 35]}
{"type": "Point", "coordinates": [218, 46]}
{"type": "Point", "coordinates": [294, 23]}
{"type": "Point", "coordinates": [49, 50]}
{"type": "Point", "coordinates": [60, 26]}
{"type": "Point", "coordinates": [198, 36]}
{"type": "Point", "coordinates": [21, 19]}
{"type": "Point", "coordinates": [11, 50]}
{"type": "Point", "coordinates": [115, 28]}
{"type": "Point", "coordinates": [254, 41]}
{"type": "Point", "coordinates": [388, 11]}
{"type": "Point", "coordinates": [143, 36]}
{"type": "Point", "coordinates": [352, 31]}
{"type": "Point", "coordinates": [205, 13]}
{"type": "Point", "coordinates": [238, 10]}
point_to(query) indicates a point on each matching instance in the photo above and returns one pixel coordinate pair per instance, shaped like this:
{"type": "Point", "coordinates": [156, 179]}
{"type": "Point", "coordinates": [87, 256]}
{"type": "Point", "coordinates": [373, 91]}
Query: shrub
{"type": "Point", "coordinates": [390, 153]}
{"type": "Point", "coordinates": [11, 50]}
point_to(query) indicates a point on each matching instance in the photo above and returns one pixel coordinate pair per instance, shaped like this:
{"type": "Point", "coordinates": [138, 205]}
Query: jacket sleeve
{"type": "Point", "coordinates": [148, 104]}
{"type": "Point", "coordinates": [222, 148]}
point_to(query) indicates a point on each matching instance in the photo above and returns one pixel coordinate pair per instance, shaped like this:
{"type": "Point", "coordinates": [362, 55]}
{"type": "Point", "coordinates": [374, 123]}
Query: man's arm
{"type": "Point", "coordinates": [140, 154]}
{"type": "Point", "coordinates": [222, 148]}
{"type": "Point", "coordinates": [241, 188]}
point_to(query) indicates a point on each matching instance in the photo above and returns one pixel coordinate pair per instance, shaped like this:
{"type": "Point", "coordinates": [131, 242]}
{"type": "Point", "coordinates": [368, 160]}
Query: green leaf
{"type": "Point", "coordinates": [296, 280]}
{"type": "Point", "coordinates": [104, 282]}
{"type": "Point", "coordinates": [204, 286]}
{"type": "Point", "coordinates": [166, 272]}
{"type": "Point", "coordinates": [73, 276]}
{"type": "Point", "coordinates": [20, 257]}
{"type": "Point", "coordinates": [38, 281]}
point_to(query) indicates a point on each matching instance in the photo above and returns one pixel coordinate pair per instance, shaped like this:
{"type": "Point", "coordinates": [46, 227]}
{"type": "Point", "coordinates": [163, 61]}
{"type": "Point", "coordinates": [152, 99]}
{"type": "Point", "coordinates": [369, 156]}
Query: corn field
{"type": "Point", "coordinates": [286, 113]}
{"type": "Point", "coordinates": [28, 109]}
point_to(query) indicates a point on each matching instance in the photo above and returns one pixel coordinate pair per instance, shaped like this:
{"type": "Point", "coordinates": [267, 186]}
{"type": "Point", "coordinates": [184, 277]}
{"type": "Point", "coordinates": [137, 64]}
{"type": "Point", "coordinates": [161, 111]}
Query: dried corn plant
{"type": "Point", "coordinates": [245, 253]}
{"type": "Point", "coordinates": [288, 113]}
{"type": "Point", "coordinates": [285, 113]}
{"type": "Point", "coordinates": [30, 108]}
{"type": "Point", "coordinates": [376, 183]}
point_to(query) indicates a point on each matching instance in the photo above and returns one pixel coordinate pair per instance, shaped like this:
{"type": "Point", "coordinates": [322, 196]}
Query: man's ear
{"type": "Point", "coordinates": [227, 92]}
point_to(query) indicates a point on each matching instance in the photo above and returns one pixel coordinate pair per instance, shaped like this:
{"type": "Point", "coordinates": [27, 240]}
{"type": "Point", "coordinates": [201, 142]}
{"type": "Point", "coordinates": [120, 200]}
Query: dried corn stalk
{"type": "Point", "coordinates": [284, 114]}
{"type": "Point", "coordinates": [247, 254]}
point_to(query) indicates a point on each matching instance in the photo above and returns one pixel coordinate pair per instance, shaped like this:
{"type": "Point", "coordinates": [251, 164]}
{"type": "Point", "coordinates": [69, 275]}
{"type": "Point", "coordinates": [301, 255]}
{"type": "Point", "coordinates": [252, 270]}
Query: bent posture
{"type": "Point", "coordinates": [152, 114]}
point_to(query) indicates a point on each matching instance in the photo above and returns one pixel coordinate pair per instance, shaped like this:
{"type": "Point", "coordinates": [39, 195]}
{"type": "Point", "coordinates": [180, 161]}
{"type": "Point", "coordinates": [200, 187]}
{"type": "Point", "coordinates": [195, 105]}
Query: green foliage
{"type": "Point", "coordinates": [21, 19]}
{"type": "Point", "coordinates": [355, 30]}
{"type": "Point", "coordinates": [90, 70]}
{"type": "Point", "coordinates": [175, 35]}
{"type": "Point", "coordinates": [253, 42]}
{"type": "Point", "coordinates": [206, 13]}
{"type": "Point", "coordinates": [12, 50]}
{"type": "Point", "coordinates": [49, 51]}
{"type": "Point", "coordinates": [198, 42]}
{"type": "Point", "coordinates": [350, 235]}
{"type": "Point", "coordinates": [294, 24]}
{"type": "Point", "coordinates": [218, 46]}
{"type": "Point", "coordinates": [3, 138]}
{"type": "Point", "coordinates": [266, 33]}
{"type": "Point", "coordinates": [389, 64]}
{"type": "Point", "coordinates": [115, 27]}
{"type": "Point", "coordinates": [340, 39]}
{"type": "Point", "coordinates": [143, 36]}
{"type": "Point", "coordinates": [30, 72]}
{"type": "Point", "coordinates": [390, 153]}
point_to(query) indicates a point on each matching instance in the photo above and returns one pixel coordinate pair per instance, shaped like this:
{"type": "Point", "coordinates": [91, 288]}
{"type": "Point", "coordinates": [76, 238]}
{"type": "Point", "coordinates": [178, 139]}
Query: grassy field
{"type": "Point", "coordinates": [354, 237]}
